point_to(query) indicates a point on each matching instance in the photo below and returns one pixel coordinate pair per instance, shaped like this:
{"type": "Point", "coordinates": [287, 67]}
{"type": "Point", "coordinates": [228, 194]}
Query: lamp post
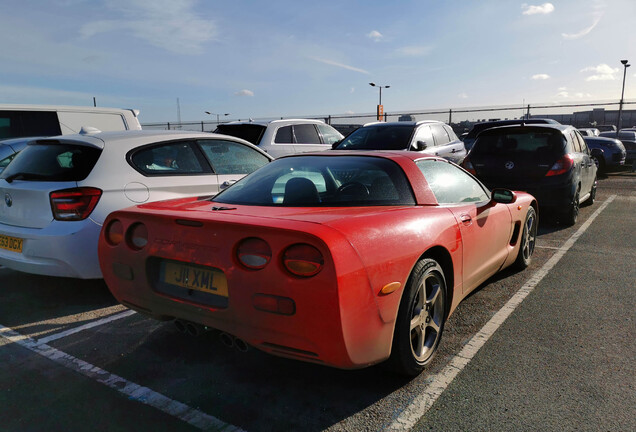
{"type": "Point", "coordinates": [217, 115]}
{"type": "Point", "coordinates": [620, 106]}
{"type": "Point", "coordinates": [380, 110]}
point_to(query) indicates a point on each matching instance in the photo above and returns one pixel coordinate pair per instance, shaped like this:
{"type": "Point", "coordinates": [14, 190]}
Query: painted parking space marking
{"type": "Point", "coordinates": [93, 324]}
{"type": "Point", "coordinates": [438, 383]}
{"type": "Point", "coordinates": [133, 391]}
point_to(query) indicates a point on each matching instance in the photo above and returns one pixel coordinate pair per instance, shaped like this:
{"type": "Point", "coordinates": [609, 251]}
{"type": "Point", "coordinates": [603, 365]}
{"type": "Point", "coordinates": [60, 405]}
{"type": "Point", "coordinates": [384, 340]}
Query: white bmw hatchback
{"type": "Point", "coordinates": [56, 193]}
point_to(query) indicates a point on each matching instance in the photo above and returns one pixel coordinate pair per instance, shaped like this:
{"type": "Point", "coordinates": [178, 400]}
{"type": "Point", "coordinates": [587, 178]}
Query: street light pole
{"type": "Point", "coordinates": [620, 106]}
{"type": "Point", "coordinates": [380, 108]}
{"type": "Point", "coordinates": [217, 115]}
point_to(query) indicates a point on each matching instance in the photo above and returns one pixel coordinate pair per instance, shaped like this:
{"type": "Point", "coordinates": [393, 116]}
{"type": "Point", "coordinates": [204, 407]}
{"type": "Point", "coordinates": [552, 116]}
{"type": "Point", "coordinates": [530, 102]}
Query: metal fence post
{"type": "Point", "coordinates": [450, 116]}
{"type": "Point", "coordinates": [168, 125]}
{"type": "Point", "coordinates": [528, 113]}
{"type": "Point", "coordinates": [202, 127]}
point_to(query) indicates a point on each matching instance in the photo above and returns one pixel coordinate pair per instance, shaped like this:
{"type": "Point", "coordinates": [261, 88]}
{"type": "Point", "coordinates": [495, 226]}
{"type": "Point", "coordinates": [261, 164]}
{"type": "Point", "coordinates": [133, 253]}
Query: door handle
{"type": "Point", "coordinates": [465, 218]}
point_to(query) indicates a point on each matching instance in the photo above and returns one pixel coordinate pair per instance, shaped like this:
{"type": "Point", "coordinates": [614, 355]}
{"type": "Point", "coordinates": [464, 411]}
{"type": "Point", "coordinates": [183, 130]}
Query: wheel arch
{"type": "Point", "coordinates": [444, 259]}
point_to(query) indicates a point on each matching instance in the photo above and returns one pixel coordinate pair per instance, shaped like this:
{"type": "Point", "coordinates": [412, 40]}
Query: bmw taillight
{"type": "Point", "coordinates": [114, 232]}
{"type": "Point", "coordinates": [561, 166]}
{"type": "Point", "coordinates": [468, 166]}
{"type": "Point", "coordinates": [137, 236]}
{"type": "Point", "coordinates": [254, 253]}
{"type": "Point", "coordinates": [303, 260]}
{"type": "Point", "coordinates": [74, 204]}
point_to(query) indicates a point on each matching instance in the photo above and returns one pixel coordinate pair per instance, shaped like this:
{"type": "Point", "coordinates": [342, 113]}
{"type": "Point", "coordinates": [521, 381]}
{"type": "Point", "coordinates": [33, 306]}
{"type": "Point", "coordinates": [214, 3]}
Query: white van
{"type": "Point", "coordinates": [50, 120]}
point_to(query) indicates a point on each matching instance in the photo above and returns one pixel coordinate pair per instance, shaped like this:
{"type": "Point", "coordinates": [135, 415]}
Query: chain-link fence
{"type": "Point", "coordinates": [461, 119]}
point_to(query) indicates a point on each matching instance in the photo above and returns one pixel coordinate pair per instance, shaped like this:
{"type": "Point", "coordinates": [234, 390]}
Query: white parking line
{"type": "Point", "coordinates": [439, 382]}
{"type": "Point", "coordinates": [74, 330]}
{"type": "Point", "coordinates": [133, 391]}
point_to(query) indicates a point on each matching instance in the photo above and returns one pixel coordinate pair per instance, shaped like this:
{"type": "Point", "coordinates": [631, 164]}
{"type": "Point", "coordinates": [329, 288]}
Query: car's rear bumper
{"type": "Point", "coordinates": [66, 249]}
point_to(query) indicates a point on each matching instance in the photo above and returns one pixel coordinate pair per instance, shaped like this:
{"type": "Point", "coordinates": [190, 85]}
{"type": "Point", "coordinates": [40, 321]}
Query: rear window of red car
{"type": "Point", "coordinates": [309, 181]}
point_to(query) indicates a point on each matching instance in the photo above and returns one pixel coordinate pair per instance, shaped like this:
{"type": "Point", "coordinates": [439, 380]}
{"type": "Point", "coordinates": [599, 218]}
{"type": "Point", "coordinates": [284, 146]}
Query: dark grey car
{"type": "Point", "coordinates": [427, 136]}
{"type": "Point", "coordinates": [608, 153]}
{"type": "Point", "coordinates": [628, 138]}
{"type": "Point", "coordinates": [551, 162]}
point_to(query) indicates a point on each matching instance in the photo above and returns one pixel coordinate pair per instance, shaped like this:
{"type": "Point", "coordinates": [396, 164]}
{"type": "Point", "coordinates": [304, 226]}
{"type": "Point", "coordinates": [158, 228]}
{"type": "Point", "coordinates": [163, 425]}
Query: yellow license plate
{"type": "Point", "coordinates": [208, 280]}
{"type": "Point", "coordinates": [11, 243]}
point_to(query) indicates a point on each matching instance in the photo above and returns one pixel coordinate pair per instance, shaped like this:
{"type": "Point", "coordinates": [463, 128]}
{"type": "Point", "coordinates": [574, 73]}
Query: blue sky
{"type": "Point", "coordinates": [293, 58]}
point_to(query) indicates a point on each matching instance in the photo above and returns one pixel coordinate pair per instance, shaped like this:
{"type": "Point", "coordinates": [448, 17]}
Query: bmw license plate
{"type": "Point", "coordinates": [12, 244]}
{"type": "Point", "coordinates": [206, 279]}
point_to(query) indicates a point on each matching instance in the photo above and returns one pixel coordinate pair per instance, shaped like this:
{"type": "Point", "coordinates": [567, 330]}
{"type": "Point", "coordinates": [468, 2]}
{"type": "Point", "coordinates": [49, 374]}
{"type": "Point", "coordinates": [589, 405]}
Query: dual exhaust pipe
{"type": "Point", "coordinates": [194, 329]}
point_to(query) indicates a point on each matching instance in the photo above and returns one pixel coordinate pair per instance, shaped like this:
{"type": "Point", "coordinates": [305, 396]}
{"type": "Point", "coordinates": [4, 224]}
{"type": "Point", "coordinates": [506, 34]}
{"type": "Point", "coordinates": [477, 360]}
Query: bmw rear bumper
{"type": "Point", "coordinates": [65, 249]}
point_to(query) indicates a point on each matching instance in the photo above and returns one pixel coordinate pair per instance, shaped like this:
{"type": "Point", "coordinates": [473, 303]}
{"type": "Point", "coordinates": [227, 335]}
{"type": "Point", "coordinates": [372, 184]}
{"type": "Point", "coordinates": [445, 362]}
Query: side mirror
{"type": "Point", "coordinates": [335, 145]}
{"type": "Point", "coordinates": [421, 145]}
{"type": "Point", "coordinates": [503, 196]}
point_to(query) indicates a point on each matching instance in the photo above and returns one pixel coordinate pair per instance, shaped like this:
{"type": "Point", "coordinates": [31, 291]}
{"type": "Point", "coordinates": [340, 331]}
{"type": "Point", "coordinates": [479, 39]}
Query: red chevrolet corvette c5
{"type": "Point", "coordinates": [340, 258]}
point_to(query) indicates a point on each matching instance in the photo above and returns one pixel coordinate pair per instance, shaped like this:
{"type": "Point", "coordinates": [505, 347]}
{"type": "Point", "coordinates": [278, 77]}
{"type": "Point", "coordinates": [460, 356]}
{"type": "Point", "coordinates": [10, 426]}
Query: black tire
{"type": "Point", "coordinates": [600, 163]}
{"type": "Point", "coordinates": [421, 318]}
{"type": "Point", "coordinates": [571, 215]}
{"type": "Point", "coordinates": [590, 200]}
{"type": "Point", "coordinates": [527, 240]}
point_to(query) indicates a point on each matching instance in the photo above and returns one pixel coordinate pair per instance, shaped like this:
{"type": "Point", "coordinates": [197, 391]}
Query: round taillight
{"type": "Point", "coordinates": [137, 236]}
{"type": "Point", "coordinates": [303, 260]}
{"type": "Point", "coordinates": [114, 232]}
{"type": "Point", "coordinates": [254, 253]}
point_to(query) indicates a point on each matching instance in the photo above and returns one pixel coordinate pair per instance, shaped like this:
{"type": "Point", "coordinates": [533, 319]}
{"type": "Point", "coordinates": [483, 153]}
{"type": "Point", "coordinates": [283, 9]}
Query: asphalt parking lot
{"type": "Point", "coordinates": [548, 348]}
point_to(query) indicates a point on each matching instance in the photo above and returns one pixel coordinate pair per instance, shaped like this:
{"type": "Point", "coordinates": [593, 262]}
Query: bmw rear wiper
{"type": "Point", "coordinates": [23, 176]}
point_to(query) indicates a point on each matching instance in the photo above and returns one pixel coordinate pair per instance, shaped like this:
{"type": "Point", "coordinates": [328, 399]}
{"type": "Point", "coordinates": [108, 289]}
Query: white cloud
{"type": "Point", "coordinates": [244, 92]}
{"type": "Point", "coordinates": [340, 65]}
{"type": "Point", "coordinates": [601, 72]}
{"type": "Point", "coordinates": [353, 89]}
{"type": "Point", "coordinates": [414, 51]}
{"type": "Point", "coordinates": [169, 24]}
{"type": "Point", "coordinates": [543, 9]}
{"type": "Point", "coordinates": [462, 96]}
{"type": "Point", "coordinates": [596, 19]}
{"type": "Point", "coordinates": [563, 94]}
{"type": "Point", "coordinates": [540, 77]}
{"type": "Point", "coordinates": [375, 35]}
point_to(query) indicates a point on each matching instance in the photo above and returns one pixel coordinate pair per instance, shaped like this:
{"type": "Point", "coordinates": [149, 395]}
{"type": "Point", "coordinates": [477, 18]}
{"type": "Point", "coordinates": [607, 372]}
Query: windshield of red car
{"type": "Point", "coordinates": [325, 181]}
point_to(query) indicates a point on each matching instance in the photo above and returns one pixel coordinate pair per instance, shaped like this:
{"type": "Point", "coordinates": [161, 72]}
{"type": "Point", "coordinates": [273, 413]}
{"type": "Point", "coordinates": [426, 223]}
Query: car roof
{"type": "Point", "coordinates": [402, 123]}
{"type": "Point", "coordinates": [556, 126]}
{"type": "Point", "coordinates": [282, 122]}
{"type": "Point", "coordinates": [135, 138]}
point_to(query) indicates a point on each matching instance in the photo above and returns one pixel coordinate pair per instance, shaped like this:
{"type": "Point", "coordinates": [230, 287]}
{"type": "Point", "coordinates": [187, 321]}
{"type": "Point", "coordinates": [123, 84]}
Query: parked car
{"type": "Point", "coordinates": [10, 148]}
{"type": "Point", "coordinates": [628, 138]}
{"type": "Point", "coordinates": [470, 138]}
{"type": "Point", "coordinates": [608, 153]}
{"type": "Point", "coordinates": [427, 136]}
{"type": "Point", "coordinates": [589, 132]}
{"type": "Point", "coordinates": [549, 161]}
{"type": "Point", "coordinates": [57, 191]}
{"type": "Point", "coordinates": [339, 258]}
{"type": "Point", "coordinates": [49, 120]}
{"type": "Point", "coordinates": [281, 137]}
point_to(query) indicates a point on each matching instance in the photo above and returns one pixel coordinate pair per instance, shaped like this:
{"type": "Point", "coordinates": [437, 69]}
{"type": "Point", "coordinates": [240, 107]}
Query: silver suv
{"type": "Point", "coordinates": [427, 136]}
{"type": "Point", "coordinates": [281, 137]}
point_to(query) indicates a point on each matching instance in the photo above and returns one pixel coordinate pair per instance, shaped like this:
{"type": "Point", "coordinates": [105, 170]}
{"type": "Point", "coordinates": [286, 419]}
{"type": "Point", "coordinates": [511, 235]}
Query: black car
{"type": "Point", "coordinates": [550, 161]}
{"type": "Point", "coordinates": [470, 138]}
